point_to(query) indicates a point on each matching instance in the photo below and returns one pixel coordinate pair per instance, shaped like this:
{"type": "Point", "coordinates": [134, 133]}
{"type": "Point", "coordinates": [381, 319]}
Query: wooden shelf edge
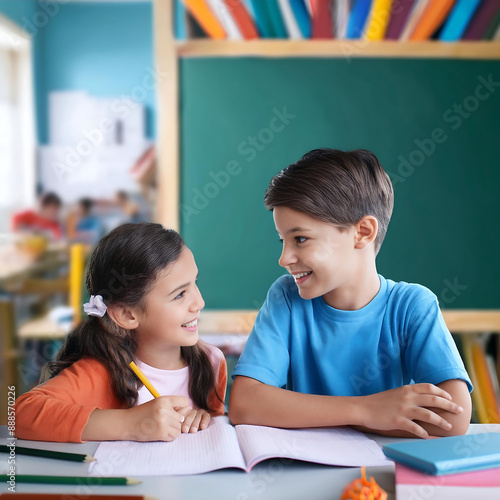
{"type": "Point", "coordinates": [241, 321]}
{"type": "Point", "coordinates": [339, 48]}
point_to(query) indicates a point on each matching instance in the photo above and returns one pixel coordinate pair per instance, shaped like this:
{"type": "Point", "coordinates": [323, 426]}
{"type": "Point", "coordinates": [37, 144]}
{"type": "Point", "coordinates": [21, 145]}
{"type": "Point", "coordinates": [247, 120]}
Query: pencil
{"type": "Point", "coordinates": [82, 481]}
{"type": "Point", "coordinates": [144, 380]}
{"type": "Point", "coordinates": [35, 452]}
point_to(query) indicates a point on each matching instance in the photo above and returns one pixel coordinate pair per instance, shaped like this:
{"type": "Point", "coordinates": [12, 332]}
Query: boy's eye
{"type": "Point", "coordinates": [180, 295]}
{"type": "Point", "coordinates": [300, 239]}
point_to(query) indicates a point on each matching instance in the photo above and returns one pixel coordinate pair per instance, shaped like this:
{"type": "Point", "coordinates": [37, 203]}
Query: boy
{"type": "Point", "coordinates": [351, 347]}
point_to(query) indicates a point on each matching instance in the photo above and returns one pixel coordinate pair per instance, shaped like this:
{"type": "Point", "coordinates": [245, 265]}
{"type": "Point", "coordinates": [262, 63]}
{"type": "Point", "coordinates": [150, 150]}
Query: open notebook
{"type": "Point", "coordinates": [223, 446]}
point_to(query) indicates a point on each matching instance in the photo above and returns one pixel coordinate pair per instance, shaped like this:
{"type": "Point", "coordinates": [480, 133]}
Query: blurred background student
{"type": "Point", "coordinates": [45, 220]}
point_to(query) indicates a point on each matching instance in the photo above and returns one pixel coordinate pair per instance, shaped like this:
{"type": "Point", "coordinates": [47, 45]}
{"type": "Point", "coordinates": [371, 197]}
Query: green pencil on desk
{"type": "Point", "coordinates": [83, 480]}
{"type": "Point", "coordinates": [36, 452]}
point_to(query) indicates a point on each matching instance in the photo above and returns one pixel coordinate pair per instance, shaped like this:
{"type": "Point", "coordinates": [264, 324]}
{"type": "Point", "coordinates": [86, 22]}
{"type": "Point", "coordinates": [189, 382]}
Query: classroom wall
{"type": "Point", "coordinates": [104, 48]}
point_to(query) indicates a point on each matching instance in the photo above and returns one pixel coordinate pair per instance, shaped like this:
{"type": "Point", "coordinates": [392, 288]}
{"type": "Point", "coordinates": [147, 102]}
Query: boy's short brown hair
{"type": "Point", "coordinates": [339, 187]}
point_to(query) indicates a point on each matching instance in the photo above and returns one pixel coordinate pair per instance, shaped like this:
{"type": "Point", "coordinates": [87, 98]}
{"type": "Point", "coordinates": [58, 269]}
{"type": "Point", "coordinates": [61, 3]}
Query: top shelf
{"type": "Point", "coordinates": [338, 48]}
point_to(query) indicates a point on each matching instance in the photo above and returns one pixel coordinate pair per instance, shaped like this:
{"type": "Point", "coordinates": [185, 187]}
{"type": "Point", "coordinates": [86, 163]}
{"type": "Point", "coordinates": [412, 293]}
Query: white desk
{"type": "Point", "coordinates": [271, 480]}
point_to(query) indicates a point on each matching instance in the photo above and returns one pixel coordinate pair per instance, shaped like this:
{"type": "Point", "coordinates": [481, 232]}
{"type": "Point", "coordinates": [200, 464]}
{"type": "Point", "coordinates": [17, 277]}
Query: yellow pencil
{"type": "Point", "coordinates": [144, 380]}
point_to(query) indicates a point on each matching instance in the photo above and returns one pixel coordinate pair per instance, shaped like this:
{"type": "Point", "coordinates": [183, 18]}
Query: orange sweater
{"type": "Point", "coordinates": [59, 409]}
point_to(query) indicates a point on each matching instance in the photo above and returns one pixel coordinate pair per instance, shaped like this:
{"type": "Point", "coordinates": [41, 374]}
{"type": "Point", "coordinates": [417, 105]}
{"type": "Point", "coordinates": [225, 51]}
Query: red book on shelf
{"type": "Point", "coordinates": [242, 18]}
{"type": "Point", "coordinates": [321, 19]}
{"type": "Point", "coordinates": [481, 20]}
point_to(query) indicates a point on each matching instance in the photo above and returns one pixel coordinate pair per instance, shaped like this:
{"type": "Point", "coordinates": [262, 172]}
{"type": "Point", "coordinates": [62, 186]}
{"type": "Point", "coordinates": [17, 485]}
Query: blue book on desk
{"type": "Point", "coordinates": [448, 455]}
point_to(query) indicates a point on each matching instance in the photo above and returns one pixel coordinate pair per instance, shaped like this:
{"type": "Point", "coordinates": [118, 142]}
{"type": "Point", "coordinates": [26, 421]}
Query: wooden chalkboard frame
{"type": "Point", "coordinates": [168, 52]}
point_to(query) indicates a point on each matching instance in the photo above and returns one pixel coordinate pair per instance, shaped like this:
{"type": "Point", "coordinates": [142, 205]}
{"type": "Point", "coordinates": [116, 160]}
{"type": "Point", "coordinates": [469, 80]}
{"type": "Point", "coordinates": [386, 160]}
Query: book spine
{"type": "Point", "coordinates": [431, 19]}
{"type": "Point", "coordinates": [357, 19]}
{"type": "Point", "coordinates": [242, 18]}
{"type": "Point", "coordinates": [301, 13]}
{"type": "Point", "coordinates": [205, 18]}
{"type": "Point", "coordinates": [481, 20]}
{"type": "Point", "coordinates": [379, 19]}
{"type": "Point", "coordinates": [321, 19]}
{"type": "Point", "coordinates": [458, 20]}
{"type": "Point", "coordinates": [400, 12]}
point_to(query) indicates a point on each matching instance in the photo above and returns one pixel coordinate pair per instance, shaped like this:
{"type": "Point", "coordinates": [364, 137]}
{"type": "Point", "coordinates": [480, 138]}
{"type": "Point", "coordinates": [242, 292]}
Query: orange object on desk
{"type": "Point", "coordinates": [362, 489]}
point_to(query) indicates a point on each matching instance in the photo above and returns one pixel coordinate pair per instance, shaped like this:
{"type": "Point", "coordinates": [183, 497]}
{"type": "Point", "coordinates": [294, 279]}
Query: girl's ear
{"type": "Point", "coordinates": [366, 230]}
{"type": "Point", "coordinates": [123, 316]}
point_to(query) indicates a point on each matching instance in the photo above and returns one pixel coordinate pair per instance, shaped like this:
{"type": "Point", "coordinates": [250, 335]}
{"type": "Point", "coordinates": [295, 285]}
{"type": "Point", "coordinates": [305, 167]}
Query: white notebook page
{"type": "Point", "coordinates": [213, 448]}
{"type": "Point", "coordinates": [337, 446]}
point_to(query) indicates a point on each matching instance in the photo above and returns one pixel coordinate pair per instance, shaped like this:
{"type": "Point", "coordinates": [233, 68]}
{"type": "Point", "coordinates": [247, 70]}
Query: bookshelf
{"type": "Point", "coordinates": [168, 52]}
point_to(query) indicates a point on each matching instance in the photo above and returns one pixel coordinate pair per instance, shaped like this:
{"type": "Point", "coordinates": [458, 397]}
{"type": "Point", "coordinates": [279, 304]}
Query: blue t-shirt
{"type": "Point", "coordinates": [399, 338]}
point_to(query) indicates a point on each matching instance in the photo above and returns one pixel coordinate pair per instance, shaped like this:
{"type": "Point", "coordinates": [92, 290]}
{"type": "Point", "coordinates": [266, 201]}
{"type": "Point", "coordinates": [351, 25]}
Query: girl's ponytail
{"type": "Point", "coordinates": [101, 339]}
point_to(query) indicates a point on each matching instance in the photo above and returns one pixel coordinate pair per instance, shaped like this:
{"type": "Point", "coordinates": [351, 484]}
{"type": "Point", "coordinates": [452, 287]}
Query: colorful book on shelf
{"type": "Point", "coordinates": [262, 18]}
{"type": "Point", "coordinates": [400, 12]}
{"type": "Point", "coordinates": [482, 19]}
{"type": "Point", "coordinates": [242, 18]}
{"type": "Point", "coordinates": [448, 455]}
{"type": "Point", "coordinates": [357, 20]}
{"type": "Point", "coordinates": [432, 18]}
{"type": "Point", "coordinates": [490, 406]}
{"type": "Point", "coordinates": [410, 483]}
{"type": "Point", "coordinates": [200, 10]}
{"type": "Point", "coordinates": [340, 12]}
{"type": "Point", "coordinates": [291, 24]}
{"type": "Point", "coordinates": [378, 19]}
{"type": "Point", "coordinates": [223, 15]}
{"type": "Point", "coordinates": [413, 19]}
{"type": "Point", "coordinates": [458, 20]}
{"type": "Point", "coordinates": [277, 21]}
{"type": "Point", "coordinates": [493, 27]}
{"type": "Point", "coordinates": [322, 26]}
{"type": "Point", "coordinates": [302, 16]}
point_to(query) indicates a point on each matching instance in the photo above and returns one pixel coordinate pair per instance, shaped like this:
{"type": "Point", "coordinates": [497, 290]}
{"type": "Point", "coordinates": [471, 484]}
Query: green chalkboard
{"type": "Point", "coordinates": [434, 125]}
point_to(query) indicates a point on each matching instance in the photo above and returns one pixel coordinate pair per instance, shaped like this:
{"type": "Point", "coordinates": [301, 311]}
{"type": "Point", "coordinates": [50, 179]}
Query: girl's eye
{"type": "Point", "coordinates": [300, 239]}
{"type": "Point", "coordinates": [180, 295]}
{"type": "Point", "coordinates": [281, 240]}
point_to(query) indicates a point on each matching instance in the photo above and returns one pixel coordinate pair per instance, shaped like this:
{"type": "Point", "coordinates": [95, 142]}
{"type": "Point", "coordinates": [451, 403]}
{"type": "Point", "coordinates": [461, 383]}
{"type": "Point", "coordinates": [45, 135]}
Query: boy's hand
{"type": "Point", "coordinates": [194, 419]}
{"type": "Point", "coordinates": [399, 409]}
{"type": "Point", "coordinates": [157, 420]}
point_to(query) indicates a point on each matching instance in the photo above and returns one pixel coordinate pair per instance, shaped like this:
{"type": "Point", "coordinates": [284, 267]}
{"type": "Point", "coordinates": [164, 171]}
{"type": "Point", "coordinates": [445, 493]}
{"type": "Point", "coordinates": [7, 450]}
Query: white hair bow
{"type": "Point", "coordinates": [95, 307]}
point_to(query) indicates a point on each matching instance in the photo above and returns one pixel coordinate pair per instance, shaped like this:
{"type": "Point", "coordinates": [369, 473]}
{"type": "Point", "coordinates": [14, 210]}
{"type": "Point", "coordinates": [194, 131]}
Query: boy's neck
{"type": "Point", "coordinates": [358, 292]}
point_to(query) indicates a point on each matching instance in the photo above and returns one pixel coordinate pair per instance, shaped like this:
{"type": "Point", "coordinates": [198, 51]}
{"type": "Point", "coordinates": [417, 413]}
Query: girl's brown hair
{"type": "Point", "coordinates": [339, 187]}
{"type": "Point", "coordinates": [122, 269]}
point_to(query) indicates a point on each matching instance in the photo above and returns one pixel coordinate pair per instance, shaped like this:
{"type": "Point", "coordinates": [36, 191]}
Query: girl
{"type": "Point", "coordinates": [144, 307]}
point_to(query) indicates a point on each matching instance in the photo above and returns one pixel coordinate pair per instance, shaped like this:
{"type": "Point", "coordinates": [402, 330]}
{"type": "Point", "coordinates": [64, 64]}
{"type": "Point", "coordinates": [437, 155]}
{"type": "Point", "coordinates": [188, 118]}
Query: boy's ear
{"type": "Point", "coordinates": [123, 316]}
{"type": "Point", "coordinates": [366, 230]}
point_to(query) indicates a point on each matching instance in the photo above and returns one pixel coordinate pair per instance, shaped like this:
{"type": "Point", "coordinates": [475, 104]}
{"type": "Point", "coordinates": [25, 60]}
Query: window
{"type": "Point", "coordinates": [17, 135]}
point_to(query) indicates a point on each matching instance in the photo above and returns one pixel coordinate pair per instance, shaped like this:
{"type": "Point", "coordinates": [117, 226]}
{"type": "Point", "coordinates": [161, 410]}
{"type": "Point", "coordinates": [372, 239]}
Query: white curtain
{"type": "Point", "coordinates": [17, 136]}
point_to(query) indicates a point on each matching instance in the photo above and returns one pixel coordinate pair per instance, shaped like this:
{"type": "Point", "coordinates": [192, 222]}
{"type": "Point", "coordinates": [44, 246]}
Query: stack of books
{"type": "Point", "coordinates": [403, 20]}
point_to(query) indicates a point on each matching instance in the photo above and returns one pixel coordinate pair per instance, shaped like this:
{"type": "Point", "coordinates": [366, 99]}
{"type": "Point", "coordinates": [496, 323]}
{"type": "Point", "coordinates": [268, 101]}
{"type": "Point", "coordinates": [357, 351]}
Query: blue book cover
{"type": "Point", "coordinates": [276, 19]}
{"type": "Point", "coordinates": [301, 13]}
{"type": "Point", "coordinates": [357, 19]}
{"type": "Point", "coordinates": [458, 20]}
{"type": "Point", "coordinates": [262, 18]}
{"type": "Point", "coordinates": [448, 455]}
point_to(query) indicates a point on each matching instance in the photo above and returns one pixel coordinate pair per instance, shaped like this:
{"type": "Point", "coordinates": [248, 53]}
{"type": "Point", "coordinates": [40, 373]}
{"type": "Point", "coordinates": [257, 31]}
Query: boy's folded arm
{"type": "Point", "coordinates": [416, 410]}
{"type": "Point", "coordinates": [253, 402]}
